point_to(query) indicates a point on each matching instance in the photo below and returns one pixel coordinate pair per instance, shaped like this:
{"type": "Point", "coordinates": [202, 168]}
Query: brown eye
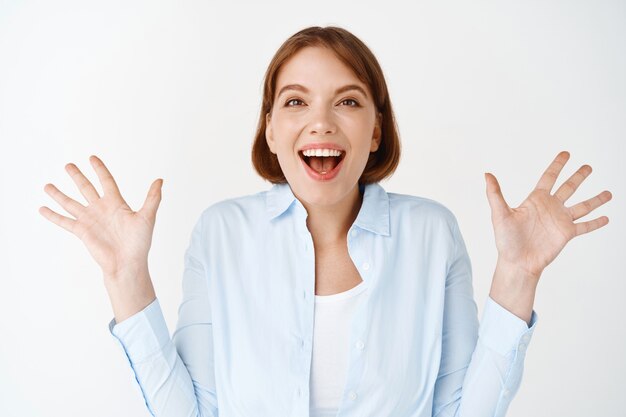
{"type": "Point", "coordinates": [356, 104]}
{"type": "Point", "coordinates": [289, 101]}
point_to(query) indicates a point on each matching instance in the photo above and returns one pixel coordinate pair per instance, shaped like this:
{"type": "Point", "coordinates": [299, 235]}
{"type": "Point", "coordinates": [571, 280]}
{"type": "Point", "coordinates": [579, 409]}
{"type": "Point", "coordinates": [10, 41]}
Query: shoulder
{"type": "Point", "coordinates": [232, 211]}
{"type": "Point", "coordinates": [420, 208]}
{"type": "Point", "coordinates": [424, 219]}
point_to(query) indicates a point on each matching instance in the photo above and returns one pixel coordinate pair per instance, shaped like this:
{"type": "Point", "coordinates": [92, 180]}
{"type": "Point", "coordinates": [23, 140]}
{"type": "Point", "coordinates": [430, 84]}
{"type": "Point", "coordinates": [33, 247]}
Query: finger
{"type": "Point", "coordinates": [591, 225]}
{"type": "Point", "coordinates": [547, 180]}
{"type": "Point", "coordinates": [566, 189]}
{"type": "Point", "coordinates": [151, 204]}
{"type": "Point", "coordinates": [70, 205]}
{"type": "Point", "coordinates": [585, 207]}
{"type": "Point", "coordinates": [84, 185]}
{"type": "Point", "coordinates": [59, 220]}
{"type": "Point", "coordinates": [494, 195]}
{"type": "Point", "coordinates": [109, 186]}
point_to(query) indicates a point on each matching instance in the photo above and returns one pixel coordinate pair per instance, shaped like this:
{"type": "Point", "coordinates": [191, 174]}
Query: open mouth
{"type": "Point", "coordinates": [322, 164]}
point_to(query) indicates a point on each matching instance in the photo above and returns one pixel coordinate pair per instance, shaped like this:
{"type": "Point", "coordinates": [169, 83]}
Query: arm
{"type": "Point", "coordinates": [528, 239]}
{"type": "Point", "coordinates": [481, 366]}
{"type": "Point", "coordinates": [176, 375]}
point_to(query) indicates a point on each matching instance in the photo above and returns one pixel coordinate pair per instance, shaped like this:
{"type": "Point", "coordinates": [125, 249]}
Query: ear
{"type": "Point", "coordinates": [269, 135]}
{"type": "Point", "coordinates": [377, 134]}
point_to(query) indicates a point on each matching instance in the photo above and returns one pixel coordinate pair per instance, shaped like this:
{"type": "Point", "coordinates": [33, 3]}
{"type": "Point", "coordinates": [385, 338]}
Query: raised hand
{"type": "Point", "coordinates": [530, 236]}
{"type": "Point", "coordinates": [117, 237]}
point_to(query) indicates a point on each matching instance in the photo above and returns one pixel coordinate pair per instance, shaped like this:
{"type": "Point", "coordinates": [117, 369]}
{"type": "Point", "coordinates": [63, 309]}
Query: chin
{"type": "Point", "coordinates": [329, 194]}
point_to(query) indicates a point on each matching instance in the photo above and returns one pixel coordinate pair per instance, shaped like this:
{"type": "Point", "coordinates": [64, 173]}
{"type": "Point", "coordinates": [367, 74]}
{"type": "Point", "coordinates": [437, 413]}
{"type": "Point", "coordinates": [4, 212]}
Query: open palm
{"type": "Point", "coordinates": [533, 234]}
{"type": "Point", "coordinates": [115, 235]}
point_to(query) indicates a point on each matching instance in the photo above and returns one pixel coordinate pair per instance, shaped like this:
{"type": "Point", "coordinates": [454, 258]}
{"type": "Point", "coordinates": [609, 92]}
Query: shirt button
{"type": "Point", "coordinates": [522, 347]}
{"type": "Point", "coordinates": [353, 395]}
{"type": "Point", "coordinates": [360, 345]}
{"type": "Point", "coordinates": [366, 266]}
{"type": "Point", "coordinates": [302, 344]}
{"type": "Point", "coordinates": [506, 393]}
{"type": "Point", "coordinates": [353, 233]}
{"type": "Point", "coordinates": [304, 294]}
{"type": "Point", "coordinates": [526, 338]}
{"type": "Point", "coordinates": [299, 392]}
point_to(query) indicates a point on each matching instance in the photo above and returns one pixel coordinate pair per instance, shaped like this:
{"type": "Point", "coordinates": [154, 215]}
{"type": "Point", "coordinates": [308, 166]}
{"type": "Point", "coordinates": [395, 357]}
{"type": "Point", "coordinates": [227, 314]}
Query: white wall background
{"type": "Point", "coordinates": [172, 89]}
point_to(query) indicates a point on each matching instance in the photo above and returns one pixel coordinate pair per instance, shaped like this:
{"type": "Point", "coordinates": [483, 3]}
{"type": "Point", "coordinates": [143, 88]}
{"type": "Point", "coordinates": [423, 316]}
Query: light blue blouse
{"type": "Point", "coordinates": [243, 342]}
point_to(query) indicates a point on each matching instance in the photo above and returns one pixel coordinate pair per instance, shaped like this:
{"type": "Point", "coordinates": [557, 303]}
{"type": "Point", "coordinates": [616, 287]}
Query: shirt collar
{"type": "Point", "coordinates": [373, 215]}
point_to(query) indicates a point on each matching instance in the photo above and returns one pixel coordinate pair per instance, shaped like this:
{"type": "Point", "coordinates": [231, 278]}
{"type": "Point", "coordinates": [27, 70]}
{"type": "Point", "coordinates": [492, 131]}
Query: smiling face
{"type": "Point", "coordinates": [321, 104]}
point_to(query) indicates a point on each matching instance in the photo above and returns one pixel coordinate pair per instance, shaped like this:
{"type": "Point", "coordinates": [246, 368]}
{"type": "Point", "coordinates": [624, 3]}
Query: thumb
{"type": "Point", "coordinates": [494, 196]}
{"type": "Point", "coordinates": [151, 204]}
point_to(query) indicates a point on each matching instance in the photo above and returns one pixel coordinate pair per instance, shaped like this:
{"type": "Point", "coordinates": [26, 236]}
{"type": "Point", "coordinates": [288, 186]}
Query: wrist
{"type": "Point", "coordinates": [130, 291]}
{"type": "Point", "coordinates": [125, 270]}
{"type": "Point", "coordinates": [514, 288]}
{"type": "Point", "coordinates": [517, 273]}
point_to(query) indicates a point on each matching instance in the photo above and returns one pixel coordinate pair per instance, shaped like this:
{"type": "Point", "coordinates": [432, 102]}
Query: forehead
{"type": "Point", "coordinates": [317, 68]}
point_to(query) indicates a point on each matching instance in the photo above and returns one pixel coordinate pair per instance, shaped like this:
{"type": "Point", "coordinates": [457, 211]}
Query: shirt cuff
{"type": "Point", "coordinates": [143, 334]}
{"type": "Point", "coordinates": [503, 331]}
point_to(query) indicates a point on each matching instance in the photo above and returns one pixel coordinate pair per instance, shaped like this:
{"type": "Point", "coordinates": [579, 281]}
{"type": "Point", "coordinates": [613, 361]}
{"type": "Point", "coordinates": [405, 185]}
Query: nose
{"type": "Point", "coordinates": [322, 122]}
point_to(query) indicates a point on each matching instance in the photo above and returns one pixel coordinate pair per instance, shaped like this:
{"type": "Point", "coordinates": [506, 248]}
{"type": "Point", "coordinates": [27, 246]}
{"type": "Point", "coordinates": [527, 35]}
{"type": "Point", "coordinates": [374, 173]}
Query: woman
{"type": "Point", "coordinates": [326, 295]}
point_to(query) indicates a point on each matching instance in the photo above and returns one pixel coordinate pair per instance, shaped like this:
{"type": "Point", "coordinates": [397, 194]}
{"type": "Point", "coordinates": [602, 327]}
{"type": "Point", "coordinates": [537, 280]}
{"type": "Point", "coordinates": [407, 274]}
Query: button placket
{"type": "Point", "coordinates": [307, 244]}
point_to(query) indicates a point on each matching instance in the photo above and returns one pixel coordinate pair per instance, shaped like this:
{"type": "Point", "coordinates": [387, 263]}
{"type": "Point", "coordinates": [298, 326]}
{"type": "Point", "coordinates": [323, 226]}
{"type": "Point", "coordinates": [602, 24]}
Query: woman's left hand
{"type": "Point", "coordinates": [530, 236]}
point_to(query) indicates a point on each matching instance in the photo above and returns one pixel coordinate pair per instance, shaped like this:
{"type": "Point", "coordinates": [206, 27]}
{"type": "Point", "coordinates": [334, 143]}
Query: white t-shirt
{"type": "Point", "coordinates": [329, 362]}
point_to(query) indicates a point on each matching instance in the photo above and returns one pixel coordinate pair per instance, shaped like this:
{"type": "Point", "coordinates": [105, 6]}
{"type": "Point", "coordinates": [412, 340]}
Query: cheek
{"type": "Point", "coordinates": [283, 128]}
{"type": "Point", "coordinates": [285, 141]}
{"type": "Point", "coordinates": [361, 124]}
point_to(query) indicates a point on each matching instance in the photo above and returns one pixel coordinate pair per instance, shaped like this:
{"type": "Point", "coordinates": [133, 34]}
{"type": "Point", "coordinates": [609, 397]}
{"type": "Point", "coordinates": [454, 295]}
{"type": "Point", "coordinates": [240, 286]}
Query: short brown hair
{"type": "Point", "coordinates": [357, 56]}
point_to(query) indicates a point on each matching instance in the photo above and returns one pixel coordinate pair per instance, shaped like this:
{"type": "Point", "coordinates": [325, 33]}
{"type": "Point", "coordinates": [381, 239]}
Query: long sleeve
{"type": "Point", "coordinates": [481, 365]}
{"type": "Point", "coordinates": [176, 375]}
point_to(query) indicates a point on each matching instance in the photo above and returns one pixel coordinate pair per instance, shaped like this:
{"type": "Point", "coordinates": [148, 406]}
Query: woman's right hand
{"type": "Point", "coordinates": [117, 237]}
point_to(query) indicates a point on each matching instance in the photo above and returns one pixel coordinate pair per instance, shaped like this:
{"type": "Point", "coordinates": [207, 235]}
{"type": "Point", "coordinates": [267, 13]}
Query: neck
{"type": "Point", "coordinates": [330, 224]}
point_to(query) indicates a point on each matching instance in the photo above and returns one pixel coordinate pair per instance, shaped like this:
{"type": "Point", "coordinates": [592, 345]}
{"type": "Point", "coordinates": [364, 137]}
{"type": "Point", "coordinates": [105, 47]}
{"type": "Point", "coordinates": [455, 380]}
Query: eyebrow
{"type": "Point", "coordinates": [340, 90]}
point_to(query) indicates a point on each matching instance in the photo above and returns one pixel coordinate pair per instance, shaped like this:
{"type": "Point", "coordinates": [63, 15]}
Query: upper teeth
{"type": "Point", "coordinates": [321, 152]}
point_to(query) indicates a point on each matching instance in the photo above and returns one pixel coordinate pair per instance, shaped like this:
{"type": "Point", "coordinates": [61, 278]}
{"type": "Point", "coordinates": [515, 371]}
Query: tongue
{"type": "Point", "coordinates": [323, 164]}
